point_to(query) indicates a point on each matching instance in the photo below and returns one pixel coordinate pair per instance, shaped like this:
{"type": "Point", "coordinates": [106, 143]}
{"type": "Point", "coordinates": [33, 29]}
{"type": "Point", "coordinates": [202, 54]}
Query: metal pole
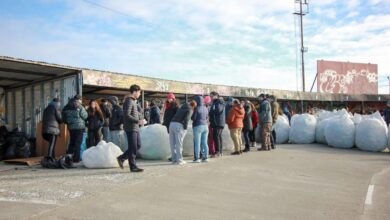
{"type": "Point", "coordinates": [302, 48]}
{"type": "Point", "coordinates": [143, 99]}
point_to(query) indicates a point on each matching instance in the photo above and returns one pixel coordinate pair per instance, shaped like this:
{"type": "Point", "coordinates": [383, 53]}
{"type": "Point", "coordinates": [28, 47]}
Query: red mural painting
{"type": "Point", "coordinates": [347, 78]}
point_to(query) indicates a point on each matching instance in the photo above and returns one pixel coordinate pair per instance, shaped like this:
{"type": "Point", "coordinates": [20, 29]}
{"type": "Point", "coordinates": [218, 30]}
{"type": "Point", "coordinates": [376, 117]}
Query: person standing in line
{"type": "Point", "coordinates": [286, 110]}
{"type": "Point", "coordinates": [200, 130]}
{"type": "Point", "coordinates": [386, 113]}
{"type": "Point", "coordinates": [95, 123]}
{"type": "Point", "coordinates": [217, 121]}
{"type": "Point", "coordinates": [51, 121]}
{"type": "Point", "coordinates": [248, 126]}
{"type": "Point", "coordinates": [228, 106]}
{"type": "Point", "coordinates": [171, 107]}
{"type": "Point", "coordinates": [116, 122]}
{"type": "Point", "coordinates": [178, 130]}
{"type": "Point", "coordinates": [147, 112]}
{"type": "Point", "coordinates": [155, 117]}
{"type": "Point", "coordinates": [265, 121]}
{"type": "Point", "coordinates": [106, 110]}
{"type": "Point", "coordinates": [275, 113]}
{"type": "Point", "coordinates": [210, 140]}
{"type": "Point", "coordinates": [75, 115]}
{"type": "Point", "coordinates": [132, 120]}
{"type": "Point", "coordinates": [235, 121]}
{"type": "Point", "coordinates": [255, 121]}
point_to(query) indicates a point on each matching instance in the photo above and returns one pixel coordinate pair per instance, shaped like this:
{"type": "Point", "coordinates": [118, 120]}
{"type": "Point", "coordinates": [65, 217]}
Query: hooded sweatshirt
{"type": "Point", "coordinates": [201, 113]}
{"type": "Point", "coordinates": [183, 115]}
{"type": "Point", "coordinates": [74, 115]}
{"type": "Point", "coordinates": [228, 107]}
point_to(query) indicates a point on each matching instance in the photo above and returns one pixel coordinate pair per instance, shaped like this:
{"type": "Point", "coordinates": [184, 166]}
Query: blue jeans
{"type": "Point", "coordinates": [176, 138]}
{"type": "Point", "coordinates": [201, 133]}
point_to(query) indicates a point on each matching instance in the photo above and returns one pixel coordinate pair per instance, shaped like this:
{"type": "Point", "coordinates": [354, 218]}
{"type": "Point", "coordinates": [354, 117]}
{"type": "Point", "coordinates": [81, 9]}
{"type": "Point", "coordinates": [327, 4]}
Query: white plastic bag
{"type": "Point", "coordinates": [372, 133]}
{"type": "Point", "coordinates": [102, 156]}
{"type": "Point", "coordinates": [320, 131]}
{"type": "Point", "coordinates": [303, 128]}
{"type": "Point", "coordinates": [340, 132]}
{"type": "Point", "coordinates": [154, 143]}
{"type": "Point", "coordinates": [282, 129]}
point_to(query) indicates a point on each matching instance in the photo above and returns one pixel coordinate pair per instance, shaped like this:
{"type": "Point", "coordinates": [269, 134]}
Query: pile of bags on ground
{"type": "Point", "coordinates": [14, 144]}
{"type": "Point", "coordinates": [341, 129]}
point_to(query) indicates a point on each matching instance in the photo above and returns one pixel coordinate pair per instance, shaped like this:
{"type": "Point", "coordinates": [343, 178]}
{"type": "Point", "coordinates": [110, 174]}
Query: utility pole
{"type": "Point", "coordinates": [300, 13]}
{"type": "Point", "coordinates": [388, 79]}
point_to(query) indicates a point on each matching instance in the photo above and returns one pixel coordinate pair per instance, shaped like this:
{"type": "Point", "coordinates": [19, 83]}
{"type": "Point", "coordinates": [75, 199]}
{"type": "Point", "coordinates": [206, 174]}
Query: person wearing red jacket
{"type": "Point", "coordinates": [255, 121]}
{"type": "Point", "coordinates": [235, 121]}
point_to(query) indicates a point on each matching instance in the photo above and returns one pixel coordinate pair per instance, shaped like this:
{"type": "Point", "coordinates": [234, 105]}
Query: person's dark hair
{"type": "Point", "coordinates": [267, 96]}
{"type": "Point", "coordinates": [103, 100]}
{"type": "Point", "coordinates": [77, 97]}
{"type": "Point", "coordinates": [134, 88]}
{"type": "Point", "coordinates": [261, 95]}
{"type": "Point", "coordinates": [236, 102]}
{"type": "Point", "coordinates": [56, 100]}
{"type": "Point", "coordinates": [214, 93]}
{"type": "Point", "coordinates": [97, 109]}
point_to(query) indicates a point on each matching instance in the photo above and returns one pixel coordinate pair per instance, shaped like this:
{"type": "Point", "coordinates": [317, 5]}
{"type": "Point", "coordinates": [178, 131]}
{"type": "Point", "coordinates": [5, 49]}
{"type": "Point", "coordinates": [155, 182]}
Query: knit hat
{"type": "Point", "coordinates": [207, 99]}
{"type": "Point", "coordinates": [171, 96]}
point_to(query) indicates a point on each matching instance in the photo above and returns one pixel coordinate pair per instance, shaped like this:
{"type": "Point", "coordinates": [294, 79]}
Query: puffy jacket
{"type": "Point", "coordinates": [169, 113]}
{"type": "Point", "coordinates": [51, 119]}
{"type": "Point", "coordinates": [235, 117]}
{"type": "Point", "coordinates": [106, 110]}
{"type": "Point", "coordinates": [183, 115]}
{"type": "Point", "coordinates": [74, 115]}
{"type": "Point", "coordinates": [387, 115]}
{"type": "Point", "coordinates": [265, 115]}
{"type": "Point", "coordinates": [201, 113]}
{"type": "Point", "coordinates": [155, 117]}
{"type": "Point", "coordinates": [95, 121]}
{"type": "Point", "coordinates": [131, 115]}
{"type": "Point", "coordinates": [217, 114]}
{"type": "Point", "coordinates": [228, 106]}
{"type": "Point", "coordinates": [255, 119]}
{"type": "Point", "coordinates": [116, 119]}
{"type": "Point", "coordinates": [248, 126]}
{"type": "Point", "coordinates": [147, 114]}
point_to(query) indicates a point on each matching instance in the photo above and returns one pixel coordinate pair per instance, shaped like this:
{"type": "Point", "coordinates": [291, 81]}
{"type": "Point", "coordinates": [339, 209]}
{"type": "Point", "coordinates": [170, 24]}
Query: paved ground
{"type": "Point", "coordinates": [292, 182]}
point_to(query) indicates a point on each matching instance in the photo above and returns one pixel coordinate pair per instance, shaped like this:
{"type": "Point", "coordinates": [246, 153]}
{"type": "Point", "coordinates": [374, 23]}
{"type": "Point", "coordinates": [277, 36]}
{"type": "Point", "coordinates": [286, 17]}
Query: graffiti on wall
{"type": "Point", "coordinates": [347, 78]}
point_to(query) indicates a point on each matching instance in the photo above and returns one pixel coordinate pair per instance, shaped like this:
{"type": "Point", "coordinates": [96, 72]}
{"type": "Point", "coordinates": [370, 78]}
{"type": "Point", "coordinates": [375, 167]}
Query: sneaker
{"type": "Point", "coordinates": [174, 162]}
{"type": "Point", "coordinates": [136, 170]}
{"type": "Point", "coordinates": [235, 153]}
{"type": "Point", "coordinates": [246, 150]}
{"type": "Point", "coordinates": [182, 162]}
{"type": "Point", "coordinates": [205, 160]}
{"type": "Point", "coordinates": [196, 161]}
{"type": "Point", "coordinates": [120, 162]}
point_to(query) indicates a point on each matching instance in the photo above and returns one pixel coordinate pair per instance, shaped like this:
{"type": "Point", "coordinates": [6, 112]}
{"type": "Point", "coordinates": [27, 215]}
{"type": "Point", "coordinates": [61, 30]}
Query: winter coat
{"type": "Point", "coordinates": [228, 106]}
{"type": "Point", "coordinates": [131, 115]}
{"type": "Point", "coordinates": [95, 121]}
{"type": "Point", "coordinates": [248, 126]}
{"type": "Point", "coordinates": [387, 115]}
{"type": "Point", "coordinates": [155, 115]}
{"type": "Point", "coordinates": [51, 119]}
{"type": "Point", "coordinates": [74, 115]}
{"type": "Point", "coordinates": [275, 111]}
{"type": "Point", "coordinates": [106, 110]}
{"type": "Point", "coordinates": [265, 115]}
{"type": "Point", "coordinates": [116, 119]}
{"type": "Point", "coordinates": [169, 113]}
{"type": "Point", "coordinates": [201, 113]}
{"type": "Point", "coordinates": [147, 114]}
{"type": "Point", "coordinates": [235, 117]}
{"type": "Point", "coordinates": [255, 119]}
{"type": "Point", "coordinates": [217, 114]}
{"type": "Point", "coordinates": [183, 115]}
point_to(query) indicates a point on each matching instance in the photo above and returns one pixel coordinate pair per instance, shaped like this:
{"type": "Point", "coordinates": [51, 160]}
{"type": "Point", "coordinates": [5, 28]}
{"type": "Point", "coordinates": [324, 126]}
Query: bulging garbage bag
{"type": "Point", "coordinates": [371, 133]}
{"type": "Point", "coordinates": [303, 129]}
{"type": "Point", "coordinates": [102, 156]}
{"type": "Point", "coordinates": [320, 131]}
{"type": "Point", "coordinates": [154, 143]}
{"type": "Point", "coordinates": [282, 129]}
{"type": "Point", "coordinates": [340, 132]}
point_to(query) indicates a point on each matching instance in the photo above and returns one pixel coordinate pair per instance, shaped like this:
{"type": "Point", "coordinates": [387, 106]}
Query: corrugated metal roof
{"type": "Point", "coordinates": [18, 72]}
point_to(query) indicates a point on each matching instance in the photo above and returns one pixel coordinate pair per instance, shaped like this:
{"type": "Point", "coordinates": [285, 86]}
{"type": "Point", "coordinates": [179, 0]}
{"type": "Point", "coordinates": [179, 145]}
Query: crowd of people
{"type": "Point", "coordinates": [209, 115]}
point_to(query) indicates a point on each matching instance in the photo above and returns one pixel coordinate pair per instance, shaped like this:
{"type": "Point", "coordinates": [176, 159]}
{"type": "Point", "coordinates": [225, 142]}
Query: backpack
{"type": "Point", "coordinates": [65, 162]}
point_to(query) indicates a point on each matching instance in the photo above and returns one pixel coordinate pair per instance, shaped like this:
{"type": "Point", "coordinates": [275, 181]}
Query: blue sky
{"type": "Point", "coordinates": [232, 42]}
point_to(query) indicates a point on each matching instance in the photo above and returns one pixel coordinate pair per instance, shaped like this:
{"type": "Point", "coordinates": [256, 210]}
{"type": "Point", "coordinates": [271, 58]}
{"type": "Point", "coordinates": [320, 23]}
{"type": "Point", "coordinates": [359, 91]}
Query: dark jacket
{"type": "Point", "coordinates": [147, 115]}
{"type": "Point", "coordinates": [265, 115]}
{"type": "Point", "coordinates": [387, 115]}
{"type": "Point", "coordinates": [131, 115]}
{"type": "Point", "coordinates": [248, 126]}
{"type": "Point", "coordinates": [217, 114]}
{"type": "Point", "coordinates": [51, 119]}
{"type": "Point", "coordinates": [74, 115]}
{"type": "Point", "coordinates": [169, 113]}
{"type": "Point", "coordinates": [116, 119]}
{"type": "Point", "coordinates": [155, 115]}
{"type": "Point", "coordinates": [183, 115]}
{"type": "Point", "coordinates": [106, 110]}
{"type": "Point", "coordinates": [228, 106]}
{"type": "Point", "coordinates": [201, 113]}
{"type": "Point", "coordinates": [95, 121]}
